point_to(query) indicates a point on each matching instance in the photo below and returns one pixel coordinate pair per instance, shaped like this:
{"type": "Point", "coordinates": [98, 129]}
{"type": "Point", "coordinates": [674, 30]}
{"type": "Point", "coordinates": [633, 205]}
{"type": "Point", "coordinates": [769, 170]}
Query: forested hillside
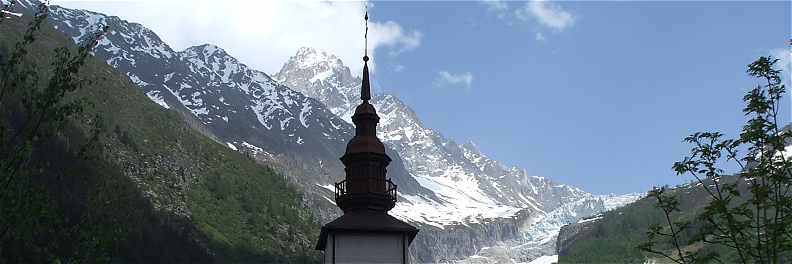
{"type": "Point", "coordinates": [615, 236]}
{"type": "Point", "coordinates": [125, 180]}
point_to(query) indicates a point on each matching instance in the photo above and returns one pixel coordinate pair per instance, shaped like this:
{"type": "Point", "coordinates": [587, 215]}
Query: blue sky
{"type": "Point", "coordinates": [593, 94]}
{"type": "Point", "coordinates": [602, 103]}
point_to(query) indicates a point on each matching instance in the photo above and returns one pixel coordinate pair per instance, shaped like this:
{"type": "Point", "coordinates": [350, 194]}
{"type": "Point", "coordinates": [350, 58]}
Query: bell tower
{"type": "Point", "coordinates": [366, 233]}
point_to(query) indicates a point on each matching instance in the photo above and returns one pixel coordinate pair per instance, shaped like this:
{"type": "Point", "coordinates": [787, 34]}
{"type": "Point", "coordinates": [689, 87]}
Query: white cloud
{"type": "Point", "coordinates": [499, 7]}
{"type": "Point", "coordinates": [784, 57]}
{"type": "Point", "coordinates": [398, 68]}
{"type": "Point", "coordinates": [391, 34]}
{"type": "Point", "coordinates": [784, 63]}
{"type": "Point", "coordinates": [264, 34]}
{"type": "Point", "coordinates": [540, 37]}
{"type": "Point", "coordinates": [548, 14]}
{"type": "Point", "coordinates": [464, 79]}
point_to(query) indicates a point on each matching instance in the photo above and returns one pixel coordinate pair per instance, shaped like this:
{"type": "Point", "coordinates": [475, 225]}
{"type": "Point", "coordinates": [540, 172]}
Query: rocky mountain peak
{"type": "Point", "coordinates": [322, 76]}
{"type": "Point", "coordinates": [210, 56]}
{"type": "Point", "coordinates": [309, 57]}
{"type": "Point", "coordinates": [311, 67]}
{"type": "Point", "coordinates": [205, 51]}
{"type": "Point", "coordinates": [215, 63]}
{"type": "Point", "coordinates": [472, 147]}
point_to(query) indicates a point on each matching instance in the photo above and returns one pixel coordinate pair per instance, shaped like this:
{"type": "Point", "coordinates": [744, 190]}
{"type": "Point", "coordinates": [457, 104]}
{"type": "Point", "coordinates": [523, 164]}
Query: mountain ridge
{"type": "Point", "coordinates": [444, 166]}
{"type": "Point", "coordinates": [150, 188]}
{"type": "Point", "coordinates": [298, 122]}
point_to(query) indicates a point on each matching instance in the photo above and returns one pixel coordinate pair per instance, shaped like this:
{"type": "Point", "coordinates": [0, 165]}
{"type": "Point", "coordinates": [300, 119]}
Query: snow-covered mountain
{"type": "Point", "coordinates": [539, 238]}
{"type": "Point", "coordinates": [233, 104]}
{"type": "Point", "coordinates": [299, 122]}
{"type": "Point", "coordinates": [471, 187]}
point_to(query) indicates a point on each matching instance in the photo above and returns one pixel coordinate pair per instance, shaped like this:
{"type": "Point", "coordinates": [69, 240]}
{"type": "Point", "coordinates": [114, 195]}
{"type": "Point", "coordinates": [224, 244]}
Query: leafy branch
{"type": "Point", "coordinates": [749, 215]}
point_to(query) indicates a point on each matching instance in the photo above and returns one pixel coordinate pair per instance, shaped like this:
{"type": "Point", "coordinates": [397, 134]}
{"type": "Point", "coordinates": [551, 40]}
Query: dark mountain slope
{"type": "Point", "coordinates": [151, 190]}
{"type": "Point", "coordinates": [236, 105]}
{"type": "Point", "coordinates": [614, 236]}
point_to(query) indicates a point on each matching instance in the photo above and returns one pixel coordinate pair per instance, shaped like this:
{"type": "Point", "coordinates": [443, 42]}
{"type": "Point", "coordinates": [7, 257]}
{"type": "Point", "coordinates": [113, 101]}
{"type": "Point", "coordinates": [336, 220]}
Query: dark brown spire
{"type": "Point", "coordinates": [366, 186]}
{"type": "Point", "coordinates": [365, 87]}
{"type": "Point", "coordinates": [366, 195]}
{"type": "Point", "coordinates": [365, 117]}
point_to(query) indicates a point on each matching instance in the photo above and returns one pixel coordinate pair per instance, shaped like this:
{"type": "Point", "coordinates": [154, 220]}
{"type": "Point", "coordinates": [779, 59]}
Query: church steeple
{"type": "Point", "coordinates": [365, 119]}
{"type": "Point", "coordinates": [366, 233]}
{"type": "Point", "coordinates": [366, 186]}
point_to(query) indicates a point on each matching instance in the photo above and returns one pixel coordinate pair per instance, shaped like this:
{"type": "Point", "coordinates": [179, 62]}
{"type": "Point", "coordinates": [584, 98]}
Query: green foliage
{"type": "Point", "coordinates": [618, 236]}
{"type": "Point", "coordinates": [35, 105]}
{"type": "Point", "coordinates": [613, 238]}
{"type": "Point", "coordinates": [109, 176]}
{"type": "Point", "coordinates": [752, 216]}
{"type": "Point", "coordinates": [669, 205]}
{"type": "Point", "coordinates": [248, 213]}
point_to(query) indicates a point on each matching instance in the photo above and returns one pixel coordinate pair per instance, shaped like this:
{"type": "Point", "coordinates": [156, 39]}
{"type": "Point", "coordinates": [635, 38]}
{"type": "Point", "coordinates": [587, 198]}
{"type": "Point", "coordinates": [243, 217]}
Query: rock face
{"type": "Point", "coordinates": [568, 234]}
{"type": "Point", "coordinates": [298, 121]}
{"type": "Point", "coordinates": [453, 241]}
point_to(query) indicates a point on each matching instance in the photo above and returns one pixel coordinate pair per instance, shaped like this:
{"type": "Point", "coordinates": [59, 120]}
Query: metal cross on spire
{"type": "Point", "coordinates": [365, 36]}
{"type": "Point", "coordinates": [365, 87]}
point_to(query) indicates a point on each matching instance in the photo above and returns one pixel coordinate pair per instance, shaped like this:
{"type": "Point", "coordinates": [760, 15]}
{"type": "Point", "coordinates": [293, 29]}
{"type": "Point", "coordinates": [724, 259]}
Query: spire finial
{"type": "Point", "coordinates": [365, 87]}
{"type": "Point", "coordinates": [365, 36]}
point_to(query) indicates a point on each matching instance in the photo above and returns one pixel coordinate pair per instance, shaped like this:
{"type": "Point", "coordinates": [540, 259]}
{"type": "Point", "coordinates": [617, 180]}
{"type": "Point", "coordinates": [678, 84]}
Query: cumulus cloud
{"type": "Point", "coordinates": [398, 68]}
{"type": "Point", "coordinates": [784, 63]}
{"type": "Point", "coordinates": [264, 34]}
{"type": "Point", "coordinates": [548, 14]}
{"type": "Point", "coordinates": [540, 37]}
{"type": "Point", "coordinates": [499, 7]}
{"type": "Point", "coordinates": [391, 34]}
{"type": "Point", "coordinates": [464, 79]}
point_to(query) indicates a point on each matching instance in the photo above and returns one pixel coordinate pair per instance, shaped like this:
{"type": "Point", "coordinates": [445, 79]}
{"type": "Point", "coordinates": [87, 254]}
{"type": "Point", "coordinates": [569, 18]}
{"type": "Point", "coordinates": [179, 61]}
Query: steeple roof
{"type": "Point", "coordinates": [365, 87]}
{"type": "Point", "coordinates": [363, 221]}
{"type": "Point", "coordinates": [365, 117]}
